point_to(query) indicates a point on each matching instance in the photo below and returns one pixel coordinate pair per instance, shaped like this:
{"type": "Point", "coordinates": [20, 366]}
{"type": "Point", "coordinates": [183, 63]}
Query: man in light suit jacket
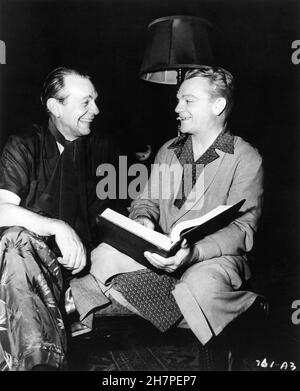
{"type": "Point", "coordinates": [222, 169]}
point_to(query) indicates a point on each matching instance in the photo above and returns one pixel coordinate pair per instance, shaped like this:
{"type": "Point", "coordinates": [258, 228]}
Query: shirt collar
{"type": "Point", "coordinates": [224, 142]}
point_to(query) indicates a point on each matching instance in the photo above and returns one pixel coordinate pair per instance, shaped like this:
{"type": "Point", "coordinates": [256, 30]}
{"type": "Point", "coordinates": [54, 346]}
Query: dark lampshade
{"type": "Point", "coordinates": [176, 43]}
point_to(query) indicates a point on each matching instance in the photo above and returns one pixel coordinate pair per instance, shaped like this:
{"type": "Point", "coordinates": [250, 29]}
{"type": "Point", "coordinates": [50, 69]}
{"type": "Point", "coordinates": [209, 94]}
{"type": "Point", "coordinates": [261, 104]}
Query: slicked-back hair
{"type": "Point", "coordinates": [221, 83]}
{"type": "Point", "coordinates": [55, 82]}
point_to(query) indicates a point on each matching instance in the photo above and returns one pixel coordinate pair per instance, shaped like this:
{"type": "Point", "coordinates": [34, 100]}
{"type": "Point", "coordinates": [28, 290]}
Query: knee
{"type": "Point", "coordinates": [204, 278]}
{"type": "Point", "coordinates": [12, 235]}
{"type": "Point", "coordinates": [19, 254]}
{"type": "Point", "coordinates": [17, 240]}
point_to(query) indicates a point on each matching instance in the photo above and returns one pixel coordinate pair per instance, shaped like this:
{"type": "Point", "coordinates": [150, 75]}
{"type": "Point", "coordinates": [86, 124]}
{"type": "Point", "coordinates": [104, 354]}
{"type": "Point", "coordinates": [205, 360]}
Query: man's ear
{"type": "Point", "coordinates": [219, 105]}
{"type": "Point", "coordinates": [53, 107]}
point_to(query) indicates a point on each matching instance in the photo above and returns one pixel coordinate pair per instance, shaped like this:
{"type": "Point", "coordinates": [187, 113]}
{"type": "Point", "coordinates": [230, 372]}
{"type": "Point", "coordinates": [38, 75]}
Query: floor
{"type": "Point", "coordinates": [128, 343]}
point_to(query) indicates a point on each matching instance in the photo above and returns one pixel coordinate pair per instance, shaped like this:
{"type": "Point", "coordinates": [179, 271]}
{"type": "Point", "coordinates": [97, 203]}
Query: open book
{"type": "Point", "coordinates": [134, 239]}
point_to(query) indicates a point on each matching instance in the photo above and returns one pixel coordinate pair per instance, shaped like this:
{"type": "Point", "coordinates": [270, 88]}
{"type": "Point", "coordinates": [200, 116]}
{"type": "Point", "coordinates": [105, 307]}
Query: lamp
{"type": "Point", "coordinates": [177, 43]}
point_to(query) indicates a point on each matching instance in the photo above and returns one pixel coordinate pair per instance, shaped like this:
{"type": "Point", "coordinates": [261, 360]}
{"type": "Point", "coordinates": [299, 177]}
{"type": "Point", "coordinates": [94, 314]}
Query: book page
{"type": "Point", "coordinates": [175, 233]}
{"type": "Point", "coordinates": [132, 226]}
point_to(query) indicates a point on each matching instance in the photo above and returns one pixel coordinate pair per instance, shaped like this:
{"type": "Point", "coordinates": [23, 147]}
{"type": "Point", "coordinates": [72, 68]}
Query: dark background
{"type": "Point", "coordinates": [106, 38]}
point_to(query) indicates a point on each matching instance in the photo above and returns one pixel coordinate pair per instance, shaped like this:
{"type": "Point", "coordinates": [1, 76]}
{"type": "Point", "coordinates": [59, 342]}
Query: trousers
{"type": "Point", "coordinates": [208, 293]}
{"type": "Point", "coordinates": [32, 330]}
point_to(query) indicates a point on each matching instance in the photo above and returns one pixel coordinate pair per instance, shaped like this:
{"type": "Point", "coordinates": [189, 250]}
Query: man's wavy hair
{"type": "Point", "coordinates": [221, 82]}
{"type": "Point", "coordinates": [55, 82]}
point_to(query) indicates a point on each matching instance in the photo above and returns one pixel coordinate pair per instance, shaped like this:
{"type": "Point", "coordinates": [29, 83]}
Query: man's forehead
{"type": "Point", "coordinates": [193, 86]}
{"type": "Point", "coordinates": [78, 86]}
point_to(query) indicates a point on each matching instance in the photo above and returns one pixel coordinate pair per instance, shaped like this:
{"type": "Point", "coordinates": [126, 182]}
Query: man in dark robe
{"type": "Point", "coordinates": [48, 206]}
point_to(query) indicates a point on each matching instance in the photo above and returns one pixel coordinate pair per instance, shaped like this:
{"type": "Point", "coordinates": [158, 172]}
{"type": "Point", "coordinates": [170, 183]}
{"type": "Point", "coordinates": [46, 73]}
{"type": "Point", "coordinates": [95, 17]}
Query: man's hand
{"type": "Point", "coordinates": [71, 247]}
{"type": "Point", "coordinates": [145, 221]}
{"type": "Point", "coordinates": [184, 257]}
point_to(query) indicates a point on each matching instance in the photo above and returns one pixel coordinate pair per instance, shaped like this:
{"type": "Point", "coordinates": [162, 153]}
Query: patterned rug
{"type": "Point", "coordinates": [129, 343]}
{"type": "Point", "coordinates": [132, 344]}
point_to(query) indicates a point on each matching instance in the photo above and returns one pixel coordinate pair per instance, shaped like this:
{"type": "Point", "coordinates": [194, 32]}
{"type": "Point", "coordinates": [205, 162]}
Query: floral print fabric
{"type": "Point", "coordinates": [31, 325]}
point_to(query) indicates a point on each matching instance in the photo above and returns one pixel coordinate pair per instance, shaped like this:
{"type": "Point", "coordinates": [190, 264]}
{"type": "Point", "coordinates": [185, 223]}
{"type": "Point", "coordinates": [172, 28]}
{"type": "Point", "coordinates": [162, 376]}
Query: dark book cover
{"type": "Point", "coordinates": [126, 242]}
{"type": "Point", "coordinates": [134, 246]}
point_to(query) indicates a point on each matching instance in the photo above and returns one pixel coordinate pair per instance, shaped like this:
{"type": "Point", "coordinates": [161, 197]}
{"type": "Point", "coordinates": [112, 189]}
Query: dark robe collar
{"type": "Point", "coordinates": [52, 136]}
{"type": "Point", "coordinates": [59, 137]}
{"type": "Point", "coordinates": [50, 148]}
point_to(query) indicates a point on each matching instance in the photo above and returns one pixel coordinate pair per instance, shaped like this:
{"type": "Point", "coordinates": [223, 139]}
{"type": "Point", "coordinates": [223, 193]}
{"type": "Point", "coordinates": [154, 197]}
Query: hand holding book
{"type": "Point", "coordinates": [185, 256]}
{"type": "Point", "coordinates": [133, 238]}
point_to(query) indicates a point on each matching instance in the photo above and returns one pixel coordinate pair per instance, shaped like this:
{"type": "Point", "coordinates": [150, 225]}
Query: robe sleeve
{"type": "Point", "coordinates": [15, 167]}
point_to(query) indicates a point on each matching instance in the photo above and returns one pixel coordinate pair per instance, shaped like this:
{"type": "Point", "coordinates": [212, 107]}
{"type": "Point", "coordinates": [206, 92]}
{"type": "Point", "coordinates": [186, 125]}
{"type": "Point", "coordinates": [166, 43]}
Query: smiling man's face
{"type": "Point", "coordinates": [78, 109]}
{"type": "Point", "coordinates": [195, 105]}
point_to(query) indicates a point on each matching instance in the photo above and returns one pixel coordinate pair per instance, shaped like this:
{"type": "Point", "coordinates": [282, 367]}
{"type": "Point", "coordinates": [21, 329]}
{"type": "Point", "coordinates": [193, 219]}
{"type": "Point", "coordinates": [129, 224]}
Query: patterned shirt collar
{"type": "Point", "coordinates": [224, 142]}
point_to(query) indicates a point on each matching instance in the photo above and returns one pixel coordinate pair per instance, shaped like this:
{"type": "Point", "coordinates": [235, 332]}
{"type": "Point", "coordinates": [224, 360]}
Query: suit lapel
{"type": "Point", "coordinates": [195, 200]}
